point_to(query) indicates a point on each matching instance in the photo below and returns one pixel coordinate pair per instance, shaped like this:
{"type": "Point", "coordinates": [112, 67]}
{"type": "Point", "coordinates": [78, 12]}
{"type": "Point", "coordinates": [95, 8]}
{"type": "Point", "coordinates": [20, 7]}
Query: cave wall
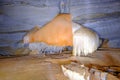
{"type": "Point", "coordinates": [18, 16]}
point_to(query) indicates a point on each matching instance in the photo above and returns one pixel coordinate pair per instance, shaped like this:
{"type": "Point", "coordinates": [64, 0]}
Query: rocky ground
{"type": "Point", "coordinates": [48, 67]}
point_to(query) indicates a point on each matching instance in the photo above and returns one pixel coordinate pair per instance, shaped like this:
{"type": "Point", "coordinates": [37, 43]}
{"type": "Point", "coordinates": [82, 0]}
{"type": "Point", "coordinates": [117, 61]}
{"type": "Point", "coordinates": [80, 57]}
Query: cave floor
{"type": "Point", "coordinates": [48, 67]}
{"type": "Point", "coordinates": [31, 67]}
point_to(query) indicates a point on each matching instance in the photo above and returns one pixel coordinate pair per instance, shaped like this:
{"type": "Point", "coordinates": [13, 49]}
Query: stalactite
{"type": "Point", "coordinates": [64, 6]}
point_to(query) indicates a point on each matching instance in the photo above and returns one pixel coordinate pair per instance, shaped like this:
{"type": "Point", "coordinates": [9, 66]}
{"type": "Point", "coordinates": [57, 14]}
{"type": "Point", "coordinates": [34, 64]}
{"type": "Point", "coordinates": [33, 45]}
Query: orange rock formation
{"type": "Point", "coordinates": [57, 32]}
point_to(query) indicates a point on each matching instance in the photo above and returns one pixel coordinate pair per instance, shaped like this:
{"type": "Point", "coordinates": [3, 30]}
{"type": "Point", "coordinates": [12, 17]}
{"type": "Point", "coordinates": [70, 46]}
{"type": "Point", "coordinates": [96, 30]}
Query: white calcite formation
{"type": "Point", "coordinates": [85, 41]}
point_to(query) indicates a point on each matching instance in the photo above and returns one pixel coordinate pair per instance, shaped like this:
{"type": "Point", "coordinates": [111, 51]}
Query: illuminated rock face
{"type": "Point", "coordinates": [85, 41]}
{"type": "Point", "coordinates": [57, 32]}
{"type": "Point", "coordinates": [61, 32]}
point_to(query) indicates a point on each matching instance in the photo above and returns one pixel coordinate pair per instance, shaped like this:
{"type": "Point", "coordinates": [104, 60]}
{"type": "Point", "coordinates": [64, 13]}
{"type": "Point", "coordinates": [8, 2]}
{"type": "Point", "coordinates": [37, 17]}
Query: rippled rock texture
{"type": "Point", "coordinates": [17, 17]}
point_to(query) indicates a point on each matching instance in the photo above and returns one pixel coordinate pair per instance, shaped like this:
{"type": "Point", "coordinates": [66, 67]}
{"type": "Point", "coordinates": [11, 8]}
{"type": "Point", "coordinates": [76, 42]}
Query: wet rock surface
{"type": "Point", "coordinates": [29, 68]}
{"type": "Point", "coordinates": [48, 67]}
